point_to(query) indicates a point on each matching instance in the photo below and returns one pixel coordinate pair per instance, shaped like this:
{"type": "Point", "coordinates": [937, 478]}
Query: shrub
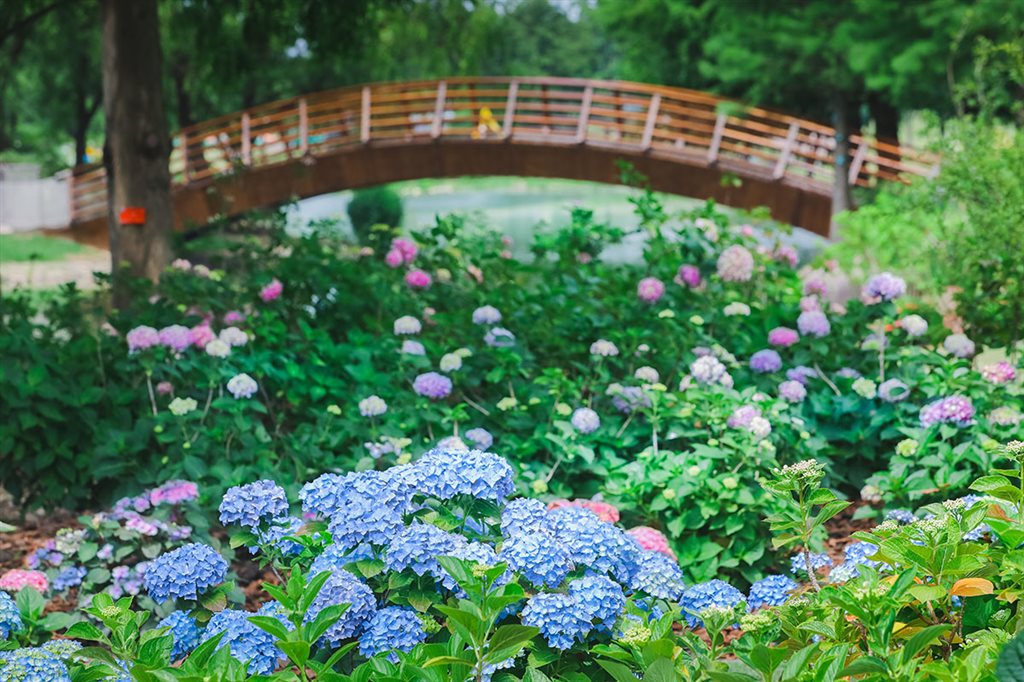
{"type": "Point", "coordinates": [374, 206]}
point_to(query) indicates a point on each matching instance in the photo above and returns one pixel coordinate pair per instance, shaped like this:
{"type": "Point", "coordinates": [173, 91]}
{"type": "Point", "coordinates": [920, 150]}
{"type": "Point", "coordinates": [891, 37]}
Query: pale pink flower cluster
{"type": "Point", "coordinates": [651, 539]}
{"type": "Point", "coordinates": [418, 279]}
{"type": "Point", "coordinates": [999, 373]}
{"type": "Point", "coordinates": [272, 291]}
{"type": "Point", "coordinates": [402, 252]}
{"type": "Point", "coordinates": [16, 578]}
{"type": "Point", "coordinates": [650, 289]}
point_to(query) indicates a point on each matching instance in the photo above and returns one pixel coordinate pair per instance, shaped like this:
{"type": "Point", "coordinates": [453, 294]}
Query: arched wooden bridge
{"type": "Point", "coordinates": [686, 142]}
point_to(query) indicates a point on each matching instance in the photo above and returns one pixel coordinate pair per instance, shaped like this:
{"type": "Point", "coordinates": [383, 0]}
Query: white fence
{"type": "Point", "coordinates": [28, 202]}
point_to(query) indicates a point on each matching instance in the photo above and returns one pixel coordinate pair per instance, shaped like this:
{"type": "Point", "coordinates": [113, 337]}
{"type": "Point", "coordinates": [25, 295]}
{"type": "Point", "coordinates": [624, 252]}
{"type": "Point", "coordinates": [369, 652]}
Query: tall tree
{"type": "Point", "coordinates": [137, 147]}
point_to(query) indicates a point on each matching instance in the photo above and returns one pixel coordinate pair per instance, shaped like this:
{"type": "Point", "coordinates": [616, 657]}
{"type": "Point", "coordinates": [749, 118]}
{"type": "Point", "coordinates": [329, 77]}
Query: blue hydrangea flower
{"type": "Point", "coordinates": [248, 643]}
{"type": "Point", "coordinates": [443, 474]}
{"type": "Point", "coordinates": [524, 515]}
{"type": "Point", "coordinates": [338, 556]}
{"type": "Point", "coordinates": [843, 572]}
{"type": "Point", "coordinates": [712, 593]}
{"type": "Point", "coordinates": [798, 565]}
{"type": "Point", "coordinates": [276, 533]}
{"type": "Point", "coordinates": [658, 576]}
{"type": "Point", "coordinates": [772, 590]}
{"type": "Point", "coordinates": [901, 516]}
{"type": "Point", "coordinates": [10, 617]}
{"type": "Point", "coordinates": [249, 505]}
{"type": "Point", "coordinates": [596, 544]}
{"type": "Point", "coordinates": [538, 557]}
{"type": "Point", "coordinates": [392, 629]}
{"type": "Point", "coordinates": [600, 597]}
{"type": "Point", "coordinates": [344, 588]}
{"type": "Point", "coordinates": [185, 632]}
{"type": "Point", "coordinates": [560, 618]}
{"type": "Point", "coordinates": [185, 572]}
{"type": "Point", "coordinates": [366, 506]}
{"type": "Point", "coordinates": [32, 665]}
{"type": "Point", "coordinates": [417, 547]}
{"type": "Point", "coordinates": [858, 553]}
{"type": "Point", "coordinates": [63, 649]}
{"type": "Point", "coordinates": [71, 576]}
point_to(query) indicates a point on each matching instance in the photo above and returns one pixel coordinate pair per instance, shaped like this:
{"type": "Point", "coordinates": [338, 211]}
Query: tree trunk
{"type": "Point", "coordinates": [887, 124]}
{"type": "Point", "coordinates": [842, 199]}
{"type": "Point", "coordinates": [137, 147]}
{"type": "Point", "coordinates": [179, 74]}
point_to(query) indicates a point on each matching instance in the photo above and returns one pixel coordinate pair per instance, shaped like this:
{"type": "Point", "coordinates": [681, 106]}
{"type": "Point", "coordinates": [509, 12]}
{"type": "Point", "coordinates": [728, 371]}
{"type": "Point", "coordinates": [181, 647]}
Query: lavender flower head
{"type": "Point", "coordinates": [251, 504]}
{"type": "Point", "coordinates": [885, 286]}
{"type": "Point", "coordinates": [176, 337]}
{"type": "Point", "coordinates": [765, 361]}
{"type": "Point", "coordinates": [813, 323]}
{"type": "Point", "coordinates": [792, 391]}
{"type": "Point", "coordinates": [486, 314]}
{"type": "Point", "coordinates": [410, 347]}
{"type": "Point", "coordinates": [956, 410]}
{"type": "Point", "coordinates": [585, 420]}
{"type": "Point", "coordinates": [735, 264]}
{"type": "Point", "coordinates": [801, 373]}
{"type": "Point", "coordinates": [893, 391]}
{"type": "Point", "coordinates": [141, 338]}
{"type": "Point", "coordinates": [650, 289]}
{"type": "Point", "coordinates": [742, 416]}
{"type": "Point", "coordinates": [1001, 372]}
{"type": "Point", "coordinates": [708, 369]}
{"type": "Point", "coordinates": [688, 275]}
{"type": "Point", "coordinates": [481, 438]}
{"type": "Point", "coordinates": [499, 337]}
{"type": "Point", "coordinates": [242, 386]}
{"type": "Point", "coordinates": [432, 385]}
{"type": "Point", "coordinates": [958, 345]}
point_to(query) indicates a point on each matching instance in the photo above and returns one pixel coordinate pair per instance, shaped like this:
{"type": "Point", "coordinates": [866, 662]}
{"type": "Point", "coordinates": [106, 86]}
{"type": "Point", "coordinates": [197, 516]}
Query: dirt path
{"type": "Point", "coordinates": [49, 274]}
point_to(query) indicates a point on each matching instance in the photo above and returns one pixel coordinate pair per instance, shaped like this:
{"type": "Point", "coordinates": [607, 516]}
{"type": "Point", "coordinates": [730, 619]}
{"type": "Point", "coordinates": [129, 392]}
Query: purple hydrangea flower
{"type": "Point", "coordinates": [958, 345]}
{"type": "Point", "coordinates": [801, 373]}
{"type": "Point", "coordinates": [792, 391]}
{"type": "Point", "coordinates": [885, 286]}
{"type": "Point", "coordinates": [765, 361]}
{"type": "Point", "coordinates": [432, 385]}
{"type": "Point", "coordinates": [141, 338]}
{"type": "Point", "coordinates": [176, 337]}
{"type": "Point", "coordinates": [486, 314]}
{"type": "Point", "coordinates": [481, 438]}
{"type": "Point", "coordinates": [585, 420]}
{"type": "Point", "coordinates": [742, 416]}
{"type": "Point", "coordinates": [499, 337]}
{"type": "Point", "coordinates": [956, 410]}
{"type": "Point", "coordinates": [813, 323]}
{"type": "Point", "coordinates": [242, 386]}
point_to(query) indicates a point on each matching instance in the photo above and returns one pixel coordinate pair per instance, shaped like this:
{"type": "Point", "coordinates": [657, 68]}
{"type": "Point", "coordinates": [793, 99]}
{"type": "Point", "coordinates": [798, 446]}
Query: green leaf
{"type": "Point", "coordinates": [466, 624]}
{"type": "Point", "coordinates": [866, 665]}
{"type": "Point", "coordinates": [922, 639]}
{"type": "Point", "coordinates": [508, 640]}
{"type": "Point", "coordinates": [662, 670]}
{"type": "Point", "coordinates": [1010, 666]}
{"type": "Point", "coordinates": [534, 675]}
{"type": "Point", "coordinates": [926, 593]}
{"type": "Point", "coordinates": [618, 671]}
{"type": "Point", "coordinates": [271, 625]}
{"type": "Point", "coordinates": [297, 652]}
{"type": "Point", "coordinates": [86, 631]}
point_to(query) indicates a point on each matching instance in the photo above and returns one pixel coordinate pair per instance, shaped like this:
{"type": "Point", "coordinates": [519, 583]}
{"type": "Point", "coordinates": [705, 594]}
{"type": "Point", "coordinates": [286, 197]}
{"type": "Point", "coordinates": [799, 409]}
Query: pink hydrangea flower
{"type": "Point", "coordinates": [604, 511]}
{"type": "Point", "coordinates": [583, 258]}
{"type": "Point", "coordinates": [141, 338]}
{"type": "Point", "coordinates": [652, 540]}
{"type": "Point", "coordinates": [165, 388]}
{"type": "Point", "coordinates": [272, 291]}
{"type": "Point", "coordinates": [650, 289]}
{"type": "Point", "coordinates": [174, 492]}
{"type": "Point", "coordinates": [234, 317]}
{"type": "Point", "coordinates": [688, 275]}
{"type": "Point", "coordinates": [394, 258]}
{"type": "Point", "coordinates": [783, 337]}
{"type": "Point", "coordinates": [405, 248]}
{"type": "Point", "coordinates": [417, 279]}
{"type": "Point", "coordinates": [1000, 373]}
{"type": "Point", "coordinates": [16, 578]}
{"type": "Point", "coordinates": [202, 334]}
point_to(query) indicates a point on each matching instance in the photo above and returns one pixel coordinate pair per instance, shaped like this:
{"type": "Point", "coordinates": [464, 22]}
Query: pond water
{"type": "Point", "coordinates": [519, 207]}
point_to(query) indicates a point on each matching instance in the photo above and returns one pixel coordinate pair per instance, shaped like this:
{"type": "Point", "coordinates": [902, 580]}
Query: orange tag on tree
{"type": "Point", "coordinates": [133, 215]}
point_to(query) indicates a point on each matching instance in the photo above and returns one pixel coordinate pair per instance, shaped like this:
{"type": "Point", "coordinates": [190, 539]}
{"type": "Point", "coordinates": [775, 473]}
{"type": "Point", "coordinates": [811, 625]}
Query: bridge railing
{"type": "Point", "coordinates": [696, 127]}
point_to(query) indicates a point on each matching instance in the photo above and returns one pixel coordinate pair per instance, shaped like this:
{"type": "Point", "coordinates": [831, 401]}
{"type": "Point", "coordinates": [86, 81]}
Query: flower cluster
{"type": "Point", "coordinates": [956, 410]}
{"type": "Point", "coordinates": [185, 573]}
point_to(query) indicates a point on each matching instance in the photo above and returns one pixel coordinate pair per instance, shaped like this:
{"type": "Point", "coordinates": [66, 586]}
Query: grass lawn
{"type": "Point", "coordinates": [18, 248]}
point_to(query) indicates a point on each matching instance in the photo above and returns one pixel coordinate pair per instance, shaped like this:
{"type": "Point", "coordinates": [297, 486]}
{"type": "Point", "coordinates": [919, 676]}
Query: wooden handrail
{"type": "Point", "coordinates": [638, 118]}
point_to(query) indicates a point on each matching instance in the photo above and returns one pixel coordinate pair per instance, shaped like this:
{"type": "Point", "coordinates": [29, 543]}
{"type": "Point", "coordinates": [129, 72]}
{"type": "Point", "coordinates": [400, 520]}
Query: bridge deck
{"type": "Point", "coordinates": [686, 141]}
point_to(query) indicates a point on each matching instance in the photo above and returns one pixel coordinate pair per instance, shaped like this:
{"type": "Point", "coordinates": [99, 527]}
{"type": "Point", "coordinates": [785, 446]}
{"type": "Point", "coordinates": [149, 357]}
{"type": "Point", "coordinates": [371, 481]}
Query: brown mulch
{"type": "Point", "coordinates": [32, 534]}
{"type": "Point", "coordinates": [841, 527]}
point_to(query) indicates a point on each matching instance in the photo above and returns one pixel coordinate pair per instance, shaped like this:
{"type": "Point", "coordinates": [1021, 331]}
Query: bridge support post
{"type": "Point", "coordinates": [438, 123]}
{"type": "Point", "coordinates": [303, 128]}
{"type": "Point", "coordinates": [364, 116]}
{"type": "Point", "coordinates": [787, 151]}
{"type": "Point", "coordinates": [716, 139]}
{"type": "Point", "coordinates": [581, 126]}
{"type": "Point", "coordinates": [652, 117]}
{"type": "Point", "coordinates": [510, 110]}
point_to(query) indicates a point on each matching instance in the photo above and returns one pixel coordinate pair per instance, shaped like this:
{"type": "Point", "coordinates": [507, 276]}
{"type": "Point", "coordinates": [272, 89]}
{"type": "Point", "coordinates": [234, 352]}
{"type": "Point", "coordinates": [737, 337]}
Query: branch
{"type": "Point", "coordinates": [25, 22]}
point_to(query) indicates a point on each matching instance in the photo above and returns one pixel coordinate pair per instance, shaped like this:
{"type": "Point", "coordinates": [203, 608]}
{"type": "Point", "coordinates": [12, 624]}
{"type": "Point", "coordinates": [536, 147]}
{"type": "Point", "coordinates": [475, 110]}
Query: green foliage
{"type": "Point", "coordinates": [374, 206]}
